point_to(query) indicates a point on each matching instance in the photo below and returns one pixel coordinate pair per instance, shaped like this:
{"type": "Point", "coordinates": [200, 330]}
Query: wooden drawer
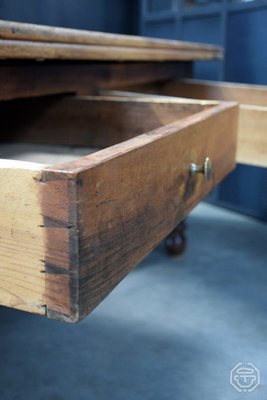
{"type": "Point", "coordinates": [252, 99]}
{"type": "Point", "coordinates": [71, 231]}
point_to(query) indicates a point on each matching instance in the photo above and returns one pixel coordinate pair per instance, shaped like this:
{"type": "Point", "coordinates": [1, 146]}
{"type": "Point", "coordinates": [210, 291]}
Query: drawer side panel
{"type": "Point", "coordinates": [130, 202]}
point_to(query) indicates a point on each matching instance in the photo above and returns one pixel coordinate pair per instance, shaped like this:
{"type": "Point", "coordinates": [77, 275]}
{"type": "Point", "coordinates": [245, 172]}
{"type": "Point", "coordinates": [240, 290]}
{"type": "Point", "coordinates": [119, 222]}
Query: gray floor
{"type": "Point", "coordinates": [173, 329]}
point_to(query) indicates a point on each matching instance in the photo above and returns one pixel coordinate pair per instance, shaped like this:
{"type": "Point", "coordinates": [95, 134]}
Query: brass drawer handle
{"type": "Point", "coordinates": [205, 169]}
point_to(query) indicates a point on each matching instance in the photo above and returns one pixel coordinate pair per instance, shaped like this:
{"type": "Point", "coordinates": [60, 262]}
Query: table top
{"type": "Point", "coordinates": [29, 41]}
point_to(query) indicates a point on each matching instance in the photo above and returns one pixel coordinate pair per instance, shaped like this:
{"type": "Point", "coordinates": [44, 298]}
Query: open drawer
{"type": "Point", "coordinates": [252, 125]}
{"type": "Point", "coordinates": [70, 231]}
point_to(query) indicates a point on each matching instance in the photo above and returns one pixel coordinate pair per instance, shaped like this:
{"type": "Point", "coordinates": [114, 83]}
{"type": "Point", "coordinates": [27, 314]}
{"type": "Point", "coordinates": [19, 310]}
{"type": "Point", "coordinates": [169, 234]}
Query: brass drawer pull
{"type": "Point", "coordinates": [205, 169]}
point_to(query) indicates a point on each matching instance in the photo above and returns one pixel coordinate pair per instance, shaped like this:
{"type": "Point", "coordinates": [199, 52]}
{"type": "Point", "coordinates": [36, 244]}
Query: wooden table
{"type": "Point", "coordinates": [70, 232]}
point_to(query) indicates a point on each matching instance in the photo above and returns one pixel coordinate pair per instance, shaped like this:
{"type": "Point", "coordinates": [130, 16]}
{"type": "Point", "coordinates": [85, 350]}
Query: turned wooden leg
{"type": "Point", "coordinates": [175, 242]}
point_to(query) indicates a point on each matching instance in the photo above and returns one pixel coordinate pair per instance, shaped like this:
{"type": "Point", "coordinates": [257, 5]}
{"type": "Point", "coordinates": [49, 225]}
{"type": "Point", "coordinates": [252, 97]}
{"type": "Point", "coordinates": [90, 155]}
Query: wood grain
{"type": "Point", "coordinates": [252, 136]}
{"type": "Point", "coordinates": [252, 131]}
{"type": "Point", "coordinates": [22, 242]}
{"type": "Point", "coordinates": [126, 198]}
{"type": "Point", "coordinates": [21, 79]}
{"type": "Point", "coordinates": [95, 121]}
{"type": "Point", "coordinates": [10, 30]}
{"type": "Point", "coordinates": [241, 93]}
{"type": "Point", "coordinates": [252, 127]}
{"type": "Point", "coordinates": [71, 232]}
{"type": "Point", "coordinates": [16, 49]}
{"type": "Point", "coordinates": [31, 241]}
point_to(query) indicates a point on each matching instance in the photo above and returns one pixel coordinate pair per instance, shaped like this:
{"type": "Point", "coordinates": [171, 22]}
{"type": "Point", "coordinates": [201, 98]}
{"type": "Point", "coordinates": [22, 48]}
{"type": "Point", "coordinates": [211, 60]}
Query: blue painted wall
{"type": "Point", "coordinates": [246, 46]}
{"type": "Point", "coordinates": [204, 30]}
{"type": "Point", "coordinates": [241, 28]}
{"type": "Point", "coordinates": [118, 16]}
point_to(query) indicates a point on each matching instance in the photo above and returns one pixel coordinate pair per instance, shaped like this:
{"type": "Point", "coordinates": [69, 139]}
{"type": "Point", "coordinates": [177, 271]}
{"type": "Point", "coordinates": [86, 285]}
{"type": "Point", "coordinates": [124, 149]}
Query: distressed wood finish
{"type": "Point", "coordinates": [115, 218]}
{"type": "Point", "coordinates": [252, 132]}
{"type": "Point", "coordinates": [94, 219]}
{"type": "Point", "coordinates": [80, 227]}
{"type": "Point", "coordinates": [241, 93]}
{"type": "Point", "coordinates": [47, 36]}
{"type": "Point", "coordinates": [22, 244]}
{"type": "Point", "coordinates": [15, 49]}
{"type": "Point", "coordinates": [252, 127]}
{"type": "Point", "coordinates": [252, 136]}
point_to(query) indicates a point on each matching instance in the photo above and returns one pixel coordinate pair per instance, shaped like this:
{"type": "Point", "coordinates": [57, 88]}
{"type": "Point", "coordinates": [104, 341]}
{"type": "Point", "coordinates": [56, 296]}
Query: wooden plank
{"type": "Point", "coordinates": [151, 96]}
{"type": "Point", "coordinates": [30, 79]}
{"type": "Point", "coordinates": [123, 200]}
{"type": "Point", "coordinates": [10, 30]}
{"type": "Point", "coordinates": [252, 136]}
{"type": "Point", "coordinates": [96, 121]}
{"type": "Point", "coordinates": [16, 49]}
{"type": "Point", "coordinates": [241, 93]}
{"type": "Point", "coordinates": [22, 242]}
{"type": "Point", "coordinates": [252, 131]}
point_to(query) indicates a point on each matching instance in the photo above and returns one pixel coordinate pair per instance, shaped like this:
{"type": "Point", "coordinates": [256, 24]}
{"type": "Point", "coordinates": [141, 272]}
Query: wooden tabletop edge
{"type": "Point", "coordinates": [10, 30]}
{"type": "Point", "coordinates": [18, 49]}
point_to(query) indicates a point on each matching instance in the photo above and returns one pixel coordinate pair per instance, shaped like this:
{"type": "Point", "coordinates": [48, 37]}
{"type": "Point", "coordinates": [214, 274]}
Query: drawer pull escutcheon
{"type": "Point", "coordinates": [205, 169]}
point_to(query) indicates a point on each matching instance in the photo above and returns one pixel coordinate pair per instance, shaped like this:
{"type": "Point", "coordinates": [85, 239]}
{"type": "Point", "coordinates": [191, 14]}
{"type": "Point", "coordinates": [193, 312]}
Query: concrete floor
{"type": "Point", "coordinates": [173, 329]}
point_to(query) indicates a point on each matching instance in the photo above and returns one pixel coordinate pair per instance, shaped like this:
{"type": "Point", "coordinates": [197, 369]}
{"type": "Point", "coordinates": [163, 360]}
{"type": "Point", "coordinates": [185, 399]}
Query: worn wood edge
{"type": "Point", "coordinates": [22, 242]}
{"type": "Point", "coordinates": [252, 136]}
{"type": "Point", "coordinates": [246, 94]}
{"type": "Point", "coordinates": [104, 155]}
{"type": "Point", "coordinates": [11, 49]}
{"type": "Point", "coordinates": [128, 97]}
{"type": "Point", "coordinates": [38, 241]}
{"type": "Point", "coordinates": [137, 96]}
{"type": "Point", "coordinates": [58, 201]}
{"type": "Point", "coordinates": [43, 33]}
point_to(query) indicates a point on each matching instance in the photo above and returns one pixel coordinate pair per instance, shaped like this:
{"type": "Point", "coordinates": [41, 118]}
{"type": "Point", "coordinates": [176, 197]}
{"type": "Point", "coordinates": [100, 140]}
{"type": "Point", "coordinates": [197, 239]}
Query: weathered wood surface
{"type": "Point", "coordinates": [252, 132]}
{"type": "Point", "coordinates": [252, 127]}
{"type": "Point", "coordinates": [92, 220]}
{"type": "Point", "coordinates": [31, 79]}
{"type": "Point", "coordinates": [69, 233]}
{"type": "Point", "coordinates": [22, 242]}
{"type": "Point", "coordinates": [222, 91]}
{"type": "Point", "coordinates": [16, 31]}
{"type": "Point", "coordinates": [12, 49]}
{"type": "Point", "coordinates": [126, 199]}
{"type": "Point", "coordinates": [252, 136]}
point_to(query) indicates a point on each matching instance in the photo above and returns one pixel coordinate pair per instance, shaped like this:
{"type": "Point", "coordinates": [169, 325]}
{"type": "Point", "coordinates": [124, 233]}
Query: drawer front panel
{"type": "Point", "coordinates": [124, 200]}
